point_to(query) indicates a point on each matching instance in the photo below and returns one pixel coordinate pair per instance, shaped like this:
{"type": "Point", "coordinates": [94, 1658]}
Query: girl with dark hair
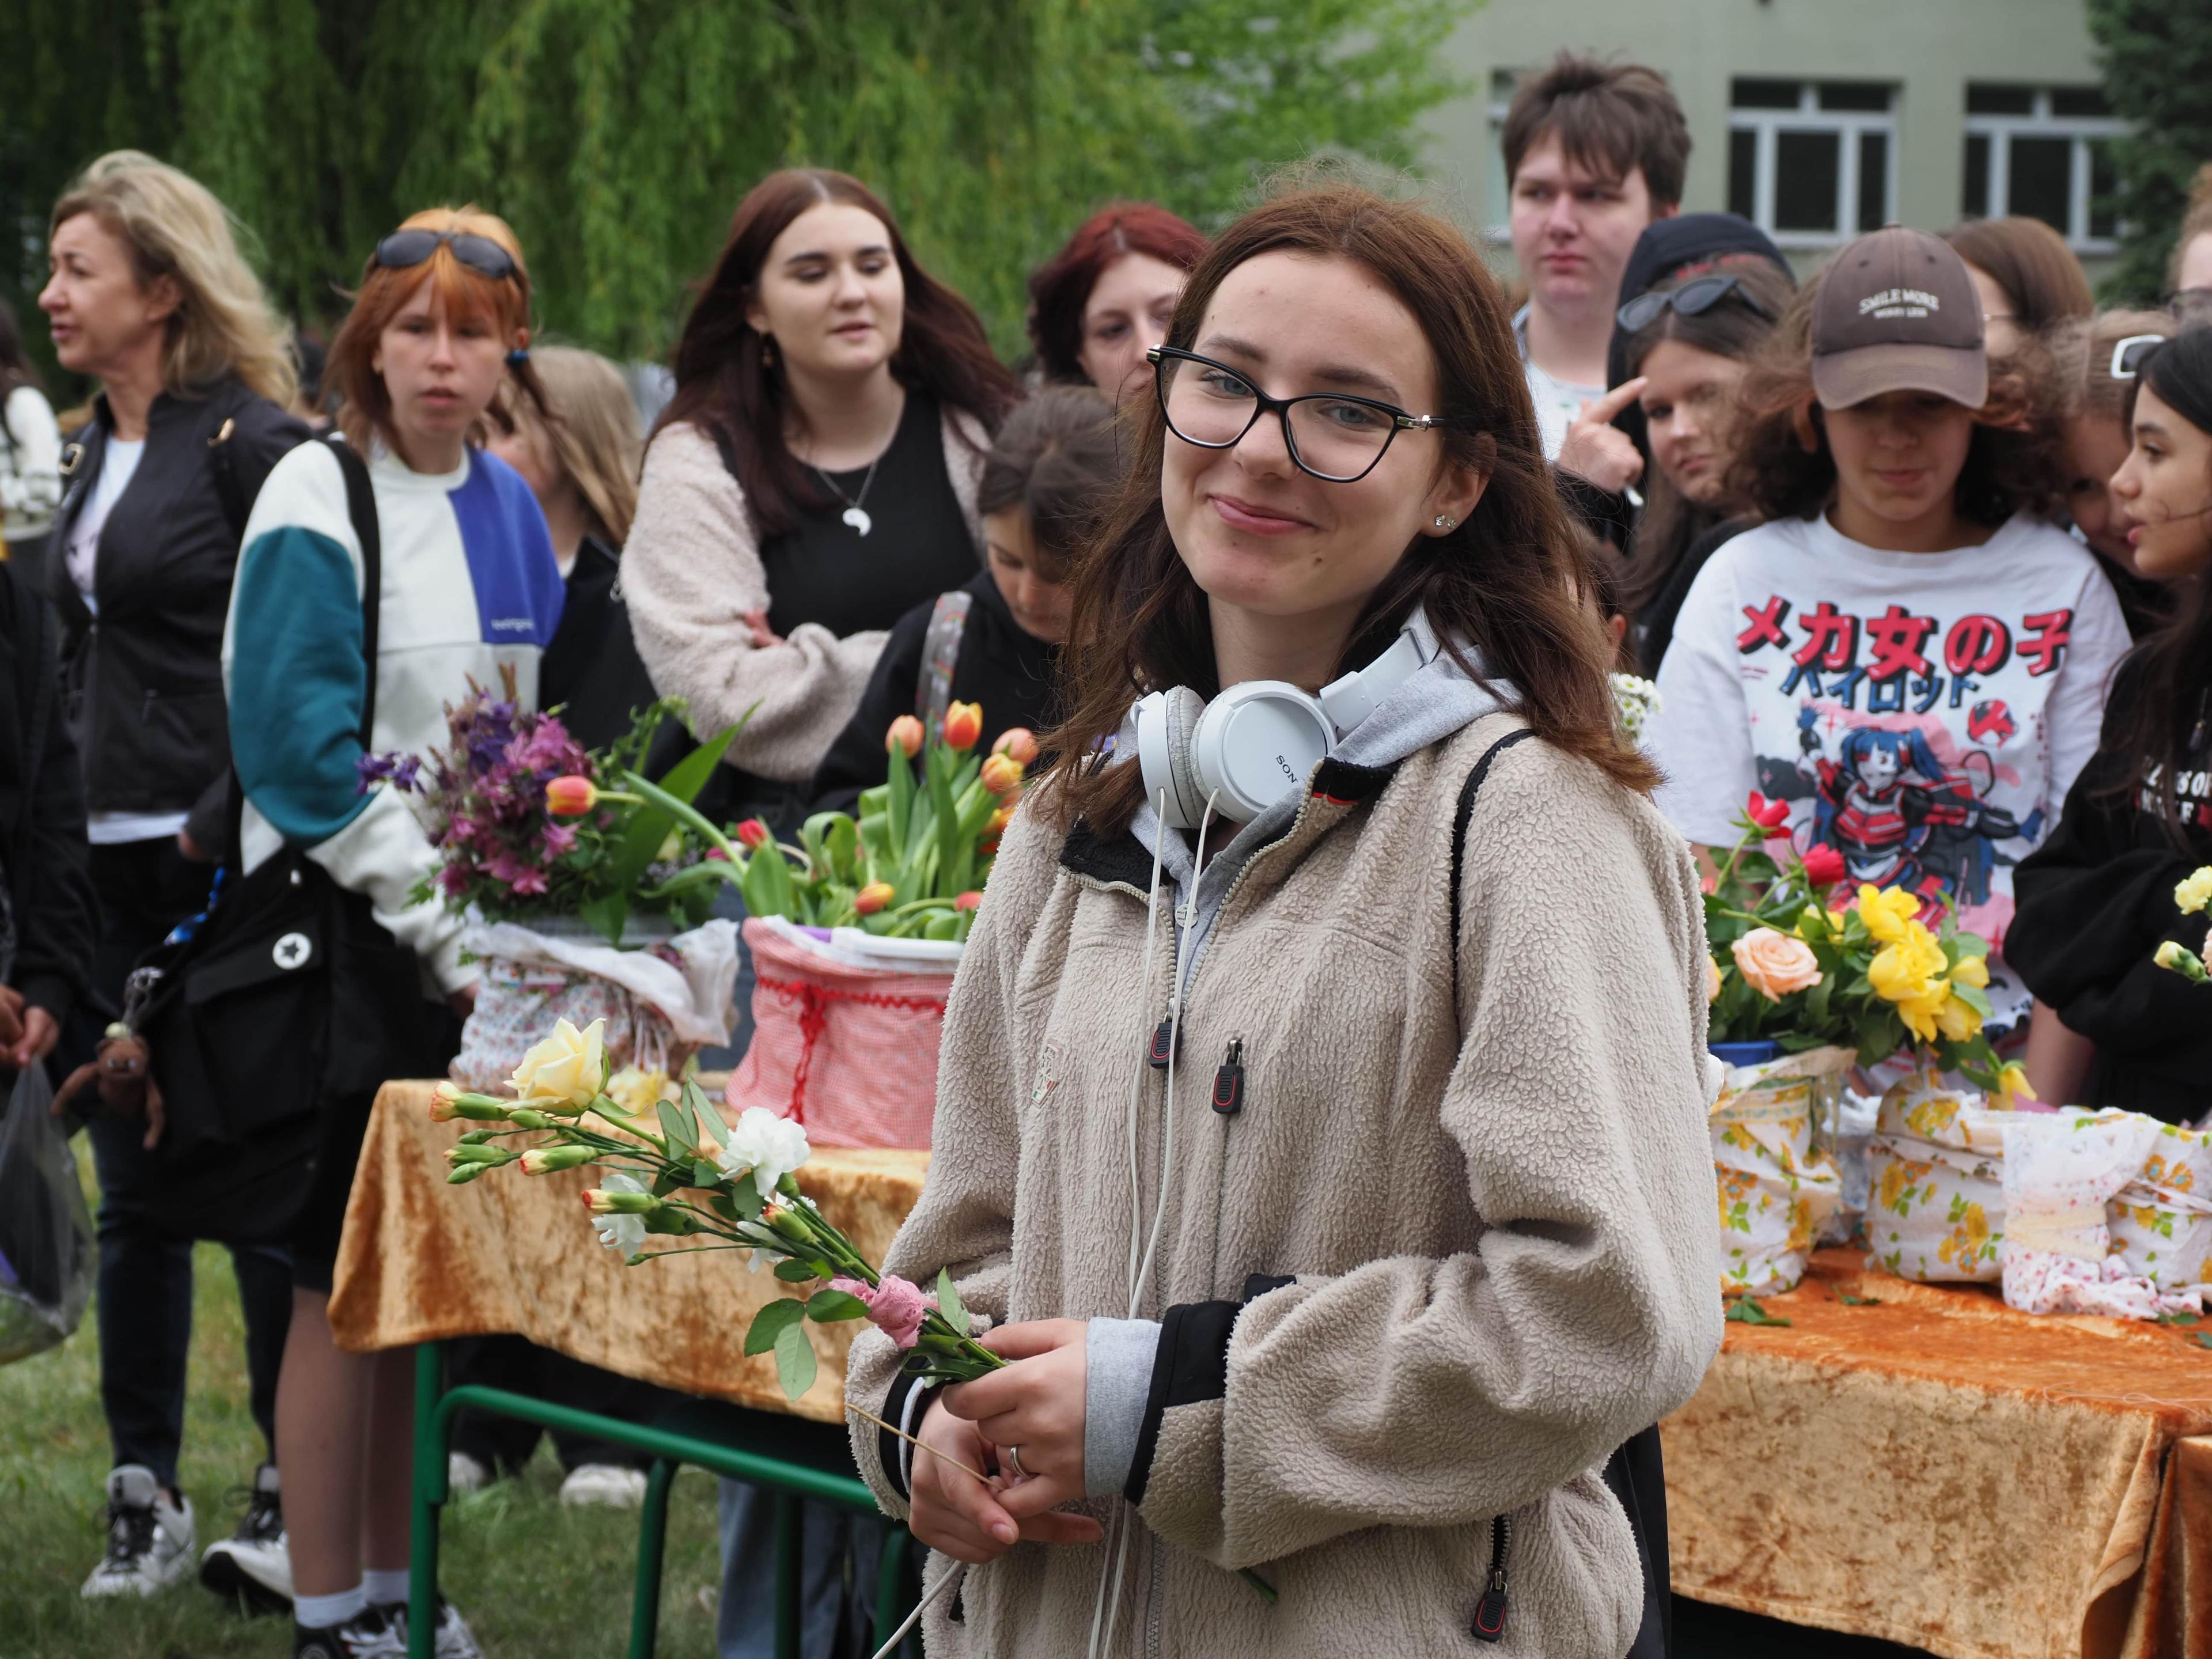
{"type": "Point", "coordinates": [1339, 516]}
{"type": "Point", "coordinates": [2112, 1029]}
{"type": "Point", "coordinates": [1903, 585]}
{"type": "Point", "coordinates": [1694, 339]}
{"type": "Point", "coordinates": [994, 641]}
{"type": "Point", "coordinates": [1098, 303]}
{"type": "Point", "coordinates": [30, 460]}
{"type": "Point", "coordinates": [813, 480]}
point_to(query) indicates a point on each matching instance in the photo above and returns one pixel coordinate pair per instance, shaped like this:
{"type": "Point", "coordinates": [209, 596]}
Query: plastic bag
{"type": "Point", "coordinates": [48, 1260]}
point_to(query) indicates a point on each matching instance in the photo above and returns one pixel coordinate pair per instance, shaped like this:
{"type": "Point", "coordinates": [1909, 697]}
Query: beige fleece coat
{"type": "Point", "coordinates": [691, 570]}
{"type": "Point", "coordinates": [1499, 1214]}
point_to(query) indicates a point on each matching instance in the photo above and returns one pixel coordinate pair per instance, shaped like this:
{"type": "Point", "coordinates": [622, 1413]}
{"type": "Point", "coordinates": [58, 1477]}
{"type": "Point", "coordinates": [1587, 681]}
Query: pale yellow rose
{"type": "Point", "coordinates": [567, 1069]}
{"type": "Point", "coordinates": [1885, 911]}
{"type": "Point", "coordinates": [636, 1090]}
{"type": "Point", "coordinates": [1774, 964]}
{"type": "Point", "coordinates": [2195, 892]}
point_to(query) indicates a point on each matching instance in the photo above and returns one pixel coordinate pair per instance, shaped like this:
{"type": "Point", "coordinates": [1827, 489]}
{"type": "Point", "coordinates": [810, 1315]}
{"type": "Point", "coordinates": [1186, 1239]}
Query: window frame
{"type": "Point", "coordinates": [1846, 126]}
{"type": "Point", "coordinates": [2081, 131]}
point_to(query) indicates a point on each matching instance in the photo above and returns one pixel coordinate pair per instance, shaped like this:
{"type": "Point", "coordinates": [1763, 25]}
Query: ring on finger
{"type": "Point", "coordinates": [1014, 1463]}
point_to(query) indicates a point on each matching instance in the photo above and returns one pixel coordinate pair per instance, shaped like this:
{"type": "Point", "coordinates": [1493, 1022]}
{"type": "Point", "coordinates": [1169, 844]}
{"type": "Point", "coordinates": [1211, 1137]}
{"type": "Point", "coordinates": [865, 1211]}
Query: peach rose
{"type": "Point", "coordinates": [1774, 964]}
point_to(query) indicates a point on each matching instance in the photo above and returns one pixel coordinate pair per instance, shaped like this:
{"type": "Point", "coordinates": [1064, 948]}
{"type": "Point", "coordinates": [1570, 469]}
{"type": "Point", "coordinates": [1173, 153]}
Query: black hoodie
{"type": "Point", "coordinates": [2094, 903]}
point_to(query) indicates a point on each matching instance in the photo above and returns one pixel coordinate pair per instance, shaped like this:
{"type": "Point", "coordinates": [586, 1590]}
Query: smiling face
{"type": "Point", "coordinates": [829, 293]}
{"type": "Point", "coordinates": [441, 372]}
{"type": "Point", "coordinates": [1898, 459]}
{"type": "Point", "coordinates": [2095, 447]}
{"type": "Point", "coordinates": [1127, 314]}
{"type": "Point", "coordinates": [101, 317]}
{"type": "Point", "coordinates": [1688, 410]}
{"type": "Point", "coordinates": [1271, 543]}
{"type": "Point", "coordinates": [1574, 228]}
{"type": "Point", "coordinates": [2166, 485]}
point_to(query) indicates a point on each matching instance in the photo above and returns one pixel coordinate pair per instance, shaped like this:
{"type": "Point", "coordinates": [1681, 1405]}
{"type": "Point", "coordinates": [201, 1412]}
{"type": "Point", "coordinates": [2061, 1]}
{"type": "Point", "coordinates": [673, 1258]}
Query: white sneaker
{"type": "Point", "coordinates": [149, 1539]}
{"type": "Point", "coordinates": [464, 1474]}
{"type": "Point", "coordinates": [253, 1567]}
{"type": "Point", "coordinates": [454, 1640]}
{"type": "Point", "coordinates": [607, 1484]}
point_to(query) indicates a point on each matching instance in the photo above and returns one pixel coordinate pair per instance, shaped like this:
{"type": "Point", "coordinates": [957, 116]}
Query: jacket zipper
{"type": "Point", "coordinates": [1490, 1611]}
{"type": "Point", "coordinates": [1155, 1595]}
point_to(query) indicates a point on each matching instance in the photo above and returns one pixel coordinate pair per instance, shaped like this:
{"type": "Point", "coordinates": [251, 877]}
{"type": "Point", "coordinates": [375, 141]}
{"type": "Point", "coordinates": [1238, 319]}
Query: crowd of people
{"type": "Point", "coordinates": [1911, 542]}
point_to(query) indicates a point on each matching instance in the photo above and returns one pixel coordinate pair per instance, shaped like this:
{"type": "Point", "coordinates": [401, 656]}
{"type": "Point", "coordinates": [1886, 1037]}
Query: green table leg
{"type": "Point", "coordinates": [651, 1540]}
{"type": "Point", "coordinates": [787, 1540]}
{"type": "Point", "coordinates": [430, 1426]}
{"type": "Point", "coordinates": [890, 1606]}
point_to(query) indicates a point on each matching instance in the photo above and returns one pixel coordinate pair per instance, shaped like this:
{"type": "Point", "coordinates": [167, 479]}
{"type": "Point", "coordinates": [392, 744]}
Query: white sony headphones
{"type": "Point", "coordinates": [1259, 739]}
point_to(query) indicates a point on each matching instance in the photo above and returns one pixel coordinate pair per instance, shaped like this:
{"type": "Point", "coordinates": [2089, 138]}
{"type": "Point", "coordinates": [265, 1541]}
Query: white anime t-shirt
{"type": "Point", "coordinates": [1923, 714]}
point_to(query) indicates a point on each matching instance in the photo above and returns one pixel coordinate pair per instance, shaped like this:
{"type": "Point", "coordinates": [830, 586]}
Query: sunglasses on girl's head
{"type": "Point", "coordinates": [1699, 294]}
{"type": "Point", "coordinates": [2129, 356]}
{"type": "Point", "coordinates": [406, 248]}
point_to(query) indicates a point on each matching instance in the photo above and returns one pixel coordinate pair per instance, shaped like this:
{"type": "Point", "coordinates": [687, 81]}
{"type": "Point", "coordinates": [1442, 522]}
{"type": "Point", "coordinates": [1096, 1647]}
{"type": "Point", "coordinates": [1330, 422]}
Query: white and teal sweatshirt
{"type": "Point", "coordinates": [469, 585]}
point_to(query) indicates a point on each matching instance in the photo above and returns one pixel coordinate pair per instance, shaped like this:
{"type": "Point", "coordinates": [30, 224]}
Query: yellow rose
{"type": "Point", "coordinates": [1774, 964]}
{"type": "Point", "coordinates": [1885, 911]}
{"type": "Point", "coordinates": [2011, 1084]}
{"type": "Point", "coordinates": [1906, 968]}
{"type": "Point", "coordinates": [2193, 893]}
{"type": "Point", "coordinates": [1919, 1013]}
{"type": "Point", "coordinates": [1957, 1020]}
{"type": "Point", "coordinates": [569, 1068]}
{"type": "Point", "coordinates": [637, 1091]}
{"type": "Point", "coordinates": [1973, 970]}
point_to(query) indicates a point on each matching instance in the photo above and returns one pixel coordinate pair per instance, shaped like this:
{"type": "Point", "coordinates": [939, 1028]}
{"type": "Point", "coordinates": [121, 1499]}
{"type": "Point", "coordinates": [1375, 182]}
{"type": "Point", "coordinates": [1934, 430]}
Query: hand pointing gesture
{"type": "Point", "coordinates": [1600, 451]}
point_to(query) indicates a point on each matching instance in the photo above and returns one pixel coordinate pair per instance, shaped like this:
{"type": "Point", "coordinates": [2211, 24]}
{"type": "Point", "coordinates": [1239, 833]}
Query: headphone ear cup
{"type": "Point", "coordinates": [1180, 715]}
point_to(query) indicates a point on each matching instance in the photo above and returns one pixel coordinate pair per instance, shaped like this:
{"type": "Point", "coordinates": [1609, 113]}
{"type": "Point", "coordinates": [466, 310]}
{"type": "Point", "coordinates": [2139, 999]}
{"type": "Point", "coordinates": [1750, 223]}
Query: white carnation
{"type": "Point", "coordinates": [625, 1233]}
{"type": "Point", "coordinates": [770, 1147]}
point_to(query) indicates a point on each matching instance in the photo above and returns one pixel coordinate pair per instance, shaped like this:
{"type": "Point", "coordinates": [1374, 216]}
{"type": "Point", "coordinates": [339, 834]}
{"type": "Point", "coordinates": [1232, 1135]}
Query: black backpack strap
{"type": "Point", "coordinates": [1460, 819]}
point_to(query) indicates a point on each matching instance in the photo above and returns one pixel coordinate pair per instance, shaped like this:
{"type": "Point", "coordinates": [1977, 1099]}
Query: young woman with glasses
{"type": "Point", "coordinates": [470, 593]}
{"type": "Point", "coordinates": [2097, 899]}
{"type": "Point", "coordinates": [1239, 1298]}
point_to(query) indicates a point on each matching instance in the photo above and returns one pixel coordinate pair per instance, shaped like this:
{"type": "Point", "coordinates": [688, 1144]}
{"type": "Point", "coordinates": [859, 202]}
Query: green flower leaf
{"type": "Point", "coordinates": [771, 1321]}
{"type": "Point", "coordinates": [824, 1306]}
{"type": "Point", "coordinates": [681, 1141]}
{"type": "Point", "coordinates": [1746, 1310]}
{"type": "Point", "coordinates": [793, 1272]}
{"type": "Point", "coordinates": [794, 1360]}
{"type": "Point", "coordinates": [949, 1303]}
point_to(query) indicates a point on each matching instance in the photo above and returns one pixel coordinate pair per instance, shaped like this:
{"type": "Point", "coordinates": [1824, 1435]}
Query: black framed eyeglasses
{"type": "Point", "coordinates": [2130, 354]}
{"type": "Point", "coordinates": [1699, 294]}
{"type": "Point", "coordinates": [1331, 435]}
{"type": "Point", "coordinates": [403, 249]}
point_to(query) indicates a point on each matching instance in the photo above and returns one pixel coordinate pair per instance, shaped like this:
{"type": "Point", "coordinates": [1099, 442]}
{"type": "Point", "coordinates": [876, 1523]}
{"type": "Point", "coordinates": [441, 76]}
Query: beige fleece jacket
{"type": "Point", "coordinates": [1496, 1206]}
{"type": "Point", "coordinates": [691, 570]}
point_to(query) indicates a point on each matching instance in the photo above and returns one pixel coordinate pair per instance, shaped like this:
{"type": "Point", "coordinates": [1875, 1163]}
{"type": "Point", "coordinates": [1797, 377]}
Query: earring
{"type": "Point", "coordinates": [768, 352]}
{"type": "Point", "coordinates": [1445, 521]}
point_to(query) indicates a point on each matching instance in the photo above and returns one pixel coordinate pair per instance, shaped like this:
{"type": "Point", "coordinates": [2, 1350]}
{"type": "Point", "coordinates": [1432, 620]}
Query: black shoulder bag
{"type": "Point", "coordinates": [1634, 1472]}
{"type": "Point", "coordinates": [237, 1008]}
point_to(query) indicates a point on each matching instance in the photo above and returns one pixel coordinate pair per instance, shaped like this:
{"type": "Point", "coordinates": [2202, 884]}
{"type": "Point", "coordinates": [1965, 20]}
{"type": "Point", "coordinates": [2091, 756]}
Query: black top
{"type": "Point", "coordinates": [1005, 670]}
{"type": "Point", "coordinates": [825, 571]}
{"type": "Point", "coordinates": [1654, 623]}
{"type": "Point", "coordinates": [144, 683]}
{"type": "Point", "coordinates": [2094, 903]}
{"type": "Point", "coordinates": [592, 671]}
{"type": "Point", "coordinates": [42, 849]}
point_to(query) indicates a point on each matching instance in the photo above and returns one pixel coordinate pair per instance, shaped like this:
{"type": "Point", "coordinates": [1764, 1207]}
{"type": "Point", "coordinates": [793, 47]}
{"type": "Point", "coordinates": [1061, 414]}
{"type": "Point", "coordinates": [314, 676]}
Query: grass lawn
{"type": "Point", "coordinates": [535, 1579]}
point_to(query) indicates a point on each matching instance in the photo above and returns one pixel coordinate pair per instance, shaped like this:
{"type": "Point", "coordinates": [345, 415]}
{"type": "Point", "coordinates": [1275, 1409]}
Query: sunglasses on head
{"type": "Point", "coordinates": [406, 248]}
{"type": "Point", "coordinates": [1699, 294]}
{"type": "Point", "coordinates": [2129, 356]}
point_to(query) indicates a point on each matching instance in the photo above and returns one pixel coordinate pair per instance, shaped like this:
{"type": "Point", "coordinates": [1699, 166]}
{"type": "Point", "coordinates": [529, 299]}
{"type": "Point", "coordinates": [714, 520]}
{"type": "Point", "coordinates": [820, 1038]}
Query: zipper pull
{"type": "Point", "coordinates": [1156, 1054]}
{"type": "Point", "coordinates": [1229, 1081]}
{"type": "Point", "coordinates": [1490, 1611]}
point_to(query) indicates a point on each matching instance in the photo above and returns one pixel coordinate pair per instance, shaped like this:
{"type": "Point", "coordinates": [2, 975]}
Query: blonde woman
{"type": "Point", "coordinates": [581, 463]}
{"type": "Point", "coordinates": [150, 297]}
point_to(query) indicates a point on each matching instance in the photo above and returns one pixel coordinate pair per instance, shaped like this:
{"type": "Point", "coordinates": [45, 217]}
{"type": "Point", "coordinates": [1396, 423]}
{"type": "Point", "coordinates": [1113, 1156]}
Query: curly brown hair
{"type": "Point", "coordinates": [1782, 468]}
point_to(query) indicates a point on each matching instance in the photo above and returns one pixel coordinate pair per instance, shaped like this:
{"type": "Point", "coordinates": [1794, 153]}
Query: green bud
{"type": "Point", "coordinates": [464, 1174]}
{"type": "Point", "coordinates": [481, 1107]}
{"type": "Point", "coordinates": [526, 1117]}
{"type": "Point", "coordinates": [491, 1156]}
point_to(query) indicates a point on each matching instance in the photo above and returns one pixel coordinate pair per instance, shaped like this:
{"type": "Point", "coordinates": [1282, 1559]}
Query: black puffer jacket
{"type": "Point", "coordinates": [142, 680]}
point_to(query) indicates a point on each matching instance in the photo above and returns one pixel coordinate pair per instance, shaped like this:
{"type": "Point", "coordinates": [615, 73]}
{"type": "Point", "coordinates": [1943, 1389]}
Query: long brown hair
{"type": "Point", "coordinates": [1783, 468]}
{"type": "Point", "coordinates": [725, 386]}
{"type": "Point", "coordinates": [2031, 263]}
{"type": "Point", "coordinates": [1508, 582]}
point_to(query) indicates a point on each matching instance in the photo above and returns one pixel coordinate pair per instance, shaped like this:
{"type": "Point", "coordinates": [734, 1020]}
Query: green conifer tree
{"type": "Point", "coordinates": [2157, 63]}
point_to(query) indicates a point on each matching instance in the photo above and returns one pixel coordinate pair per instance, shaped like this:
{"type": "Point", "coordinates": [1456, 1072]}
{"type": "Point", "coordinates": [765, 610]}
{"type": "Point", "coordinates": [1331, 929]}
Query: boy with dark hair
{"type": "Point", "coordinates": [1594, 153]}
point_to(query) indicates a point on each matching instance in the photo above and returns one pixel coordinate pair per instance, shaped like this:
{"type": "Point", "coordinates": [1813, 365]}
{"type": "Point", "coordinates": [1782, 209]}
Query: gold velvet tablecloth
{"type": "Point", "coordinates": [421, 1260]}
{"type": "Point", "coordinates": [1941, 1471]}
{"type": "Point", "coordinates": [1937, 1469]}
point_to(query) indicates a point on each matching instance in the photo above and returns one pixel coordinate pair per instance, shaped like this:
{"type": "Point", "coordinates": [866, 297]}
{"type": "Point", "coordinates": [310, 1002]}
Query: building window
{"type": "Point", "coordinates": [1813, 163]}
{"type": "Point", "coordinates": [2045, 153]}
{"type": "Point", "coordinates": [1503, 83]}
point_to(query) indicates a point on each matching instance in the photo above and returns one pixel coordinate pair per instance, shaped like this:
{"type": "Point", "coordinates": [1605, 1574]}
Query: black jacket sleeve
{"type": "Point", "coordinates": [855, 761]}
{"type": "Point", "coordinates": [48, 856]}
{"type": "Point", "coordinates": [2094, 903]}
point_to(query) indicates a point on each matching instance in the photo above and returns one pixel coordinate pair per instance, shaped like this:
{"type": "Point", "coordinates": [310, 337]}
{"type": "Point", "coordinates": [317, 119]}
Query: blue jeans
{"type": "Point", "coordinates": [839, 1553]}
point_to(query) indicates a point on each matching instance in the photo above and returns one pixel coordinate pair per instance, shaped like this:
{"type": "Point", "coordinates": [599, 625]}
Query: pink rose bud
{"type": "Point", "coordinates": [896, 1306]}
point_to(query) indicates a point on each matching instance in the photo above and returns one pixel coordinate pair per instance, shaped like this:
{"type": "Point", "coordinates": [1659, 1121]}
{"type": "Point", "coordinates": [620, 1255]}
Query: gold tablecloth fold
{"type": "Point", "coordinates": [1941, 1471]}
{"type": "Point", "coordinates": [422, 1261]}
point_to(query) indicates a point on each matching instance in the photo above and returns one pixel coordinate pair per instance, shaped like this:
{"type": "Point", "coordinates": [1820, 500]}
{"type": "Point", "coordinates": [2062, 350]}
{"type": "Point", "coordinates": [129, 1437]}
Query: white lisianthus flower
{"type": "Point", "coordinates": [625, 1233]}
{"type": "Point", "coordinates": [569, 1067]}
{"type": "Point", "coordinates": [2194, 892]}
{"type": "Point", "coordinates": [770, 1147]}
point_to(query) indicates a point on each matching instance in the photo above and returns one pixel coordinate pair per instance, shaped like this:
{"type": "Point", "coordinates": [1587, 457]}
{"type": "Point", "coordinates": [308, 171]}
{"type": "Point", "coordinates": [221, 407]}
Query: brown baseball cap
{"type": "Point", "coordinates": [1897, 312]}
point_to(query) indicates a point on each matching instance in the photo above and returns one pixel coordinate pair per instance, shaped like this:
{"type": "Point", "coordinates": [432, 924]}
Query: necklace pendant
{"type": "Point", "coordinates": [858, 519]}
